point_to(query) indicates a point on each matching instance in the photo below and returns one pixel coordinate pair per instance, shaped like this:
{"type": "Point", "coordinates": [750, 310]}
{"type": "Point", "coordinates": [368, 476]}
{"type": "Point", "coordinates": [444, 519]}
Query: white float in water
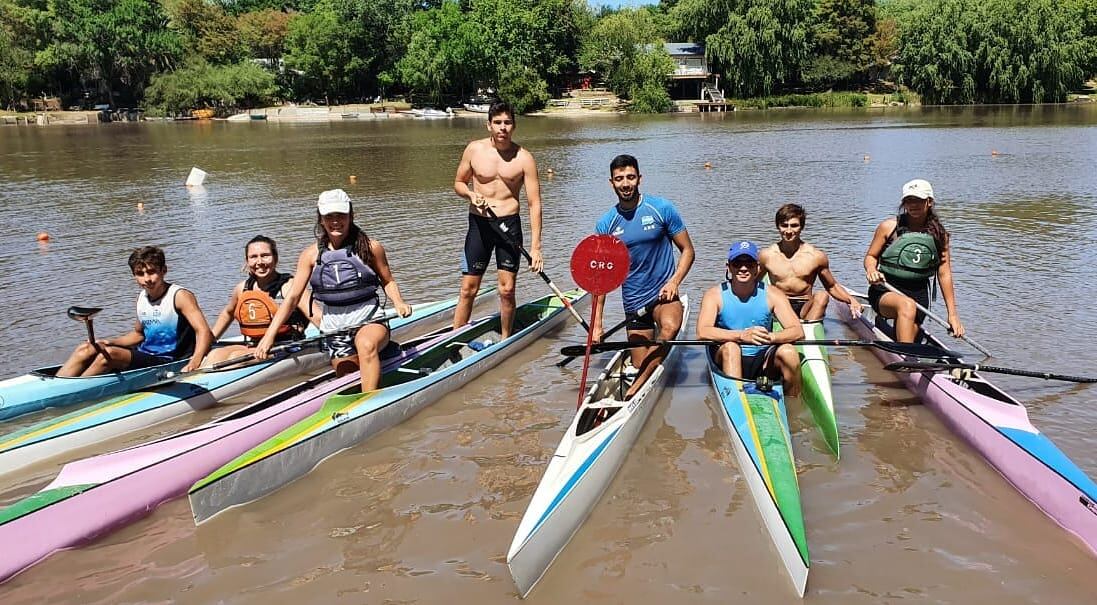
{"type": "Point", "coordinates": [196, 177]}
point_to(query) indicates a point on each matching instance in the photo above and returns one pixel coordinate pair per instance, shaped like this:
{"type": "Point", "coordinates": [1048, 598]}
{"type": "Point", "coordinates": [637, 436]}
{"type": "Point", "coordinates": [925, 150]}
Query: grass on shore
{"type": "Point", "coordinates": [826, 99]}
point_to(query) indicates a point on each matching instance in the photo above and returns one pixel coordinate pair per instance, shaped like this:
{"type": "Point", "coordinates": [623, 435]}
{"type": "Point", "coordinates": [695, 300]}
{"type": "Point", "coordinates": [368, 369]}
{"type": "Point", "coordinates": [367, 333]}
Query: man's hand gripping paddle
{"type": "Point", "coordinates": [599, 265]}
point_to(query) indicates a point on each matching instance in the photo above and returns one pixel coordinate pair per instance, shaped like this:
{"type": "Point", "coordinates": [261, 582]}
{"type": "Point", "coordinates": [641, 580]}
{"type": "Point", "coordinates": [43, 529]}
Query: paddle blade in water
{"type": "Point", "coordinates": [599, 264]}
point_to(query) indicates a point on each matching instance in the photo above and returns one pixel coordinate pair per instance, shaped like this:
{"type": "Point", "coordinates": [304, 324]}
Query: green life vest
{"type": "Point", "coordinates": [913, 256]}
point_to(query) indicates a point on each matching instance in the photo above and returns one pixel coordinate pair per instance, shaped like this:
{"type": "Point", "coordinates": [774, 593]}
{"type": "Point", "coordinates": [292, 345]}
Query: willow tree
{"type": "Point", "coordinates": [993, 51]}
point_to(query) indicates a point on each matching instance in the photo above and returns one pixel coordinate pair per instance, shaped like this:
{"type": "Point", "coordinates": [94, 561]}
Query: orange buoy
{"type": "Point", "coordinates": [550, 171]}
{"type": "Point", "coordinates": [353, 178]}
{"type": "Point", "coordinates": [867, 158]}
{"type": "Point", "coordinates": [43, 236]}
{"type": "Point", "coordinates": [708, 164]}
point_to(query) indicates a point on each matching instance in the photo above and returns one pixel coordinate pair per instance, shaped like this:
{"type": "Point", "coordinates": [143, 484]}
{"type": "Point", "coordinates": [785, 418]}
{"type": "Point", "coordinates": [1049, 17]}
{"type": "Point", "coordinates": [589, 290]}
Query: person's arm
{"type": "Point", "coordinates": [224, 319]}
{"type": "Point", "coordinates": [791, 328]}
{"type": "Point", "coordinates": [948, 292]}
{"type": "Point", "coordinates": [464, 177]}
{"type": "Point", "coordinates": [685, 261]}
{"type": "Point", "coordinates": [301, 276]}
{"type": "Point", "coordinates": [763, 257]}
{"type": "Point", "coordinates": [706, 319]}
{"type": "Point", "coordinates": [130, 339]}
{"type": "Point", "coordinates": [875, 249]}
{"type": "Point", "coordinates": [384, 274]}
{"type": "Point", "coordinates": [187, 305]}
{"type": "Point", "coordinates": [533, 199]}
{"type": "Point", "coordinates": [835, 289]}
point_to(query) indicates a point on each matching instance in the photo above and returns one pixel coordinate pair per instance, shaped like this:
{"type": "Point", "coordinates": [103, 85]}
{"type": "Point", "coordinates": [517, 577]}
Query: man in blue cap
{"type": "Point", "coordinates": [739, 313]}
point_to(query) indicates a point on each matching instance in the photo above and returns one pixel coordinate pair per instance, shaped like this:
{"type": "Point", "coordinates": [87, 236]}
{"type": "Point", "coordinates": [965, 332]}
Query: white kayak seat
{"type": "Point", "coordinates": [605, 402]}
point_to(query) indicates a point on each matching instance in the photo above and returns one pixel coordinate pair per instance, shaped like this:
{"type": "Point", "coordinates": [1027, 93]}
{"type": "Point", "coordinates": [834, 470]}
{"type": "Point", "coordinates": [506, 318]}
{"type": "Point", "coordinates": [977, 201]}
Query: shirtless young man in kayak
{"type": "Point", "coordinates": [491, 174]}
{"type": "Point", "coordinates": [793, 266]}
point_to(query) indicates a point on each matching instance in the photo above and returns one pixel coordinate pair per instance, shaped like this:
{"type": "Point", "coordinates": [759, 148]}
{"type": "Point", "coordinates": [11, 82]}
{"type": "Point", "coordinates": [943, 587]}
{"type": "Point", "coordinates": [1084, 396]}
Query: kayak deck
{"type": "Point", "coordinates": [349, 417]}
{"type": "Point", "coordinates": [597, 441]}
{"type": "Point", "coordinates": [760, 438]}
{"type": "Point", "coordinates": [997, 426]}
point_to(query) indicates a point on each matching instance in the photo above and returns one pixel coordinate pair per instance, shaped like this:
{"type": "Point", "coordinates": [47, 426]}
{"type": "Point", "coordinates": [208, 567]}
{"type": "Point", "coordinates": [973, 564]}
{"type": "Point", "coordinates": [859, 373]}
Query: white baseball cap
{"type": "Point", "coordinates": [918, 188]}
{"type": "Point", "coordinates": [333, 201]}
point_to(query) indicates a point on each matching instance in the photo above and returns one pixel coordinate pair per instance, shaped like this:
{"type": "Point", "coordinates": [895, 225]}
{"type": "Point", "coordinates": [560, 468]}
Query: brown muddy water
{"type": "Point", "coordinates": [425, 512]}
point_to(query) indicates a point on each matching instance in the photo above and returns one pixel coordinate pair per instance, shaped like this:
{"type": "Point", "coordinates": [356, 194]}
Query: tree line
{"type": "Point", "coordinates": [174, 55]}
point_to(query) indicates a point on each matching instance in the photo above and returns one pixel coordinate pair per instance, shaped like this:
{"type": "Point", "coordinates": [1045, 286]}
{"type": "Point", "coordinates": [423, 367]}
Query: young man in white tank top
{"type": "Point", "coordinates": [169, 326]}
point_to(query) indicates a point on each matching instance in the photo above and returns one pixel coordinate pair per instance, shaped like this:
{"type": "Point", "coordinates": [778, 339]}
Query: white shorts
{"type": "Point", "coordinates": [338, 318]}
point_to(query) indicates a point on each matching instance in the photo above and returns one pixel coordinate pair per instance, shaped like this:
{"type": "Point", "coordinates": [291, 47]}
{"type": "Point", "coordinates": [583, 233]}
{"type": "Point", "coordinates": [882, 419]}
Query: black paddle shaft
{"type": "Point", "coordinates": [529, 259]}
{"type": "Point", "coordinates": [912, 367]}
{"type": "Point", "coordinates": [901, 348]}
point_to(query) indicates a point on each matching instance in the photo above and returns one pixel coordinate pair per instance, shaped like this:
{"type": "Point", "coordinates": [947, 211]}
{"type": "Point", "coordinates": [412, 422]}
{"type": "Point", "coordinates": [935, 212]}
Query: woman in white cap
{"type": "Point", "coordinates": [345, 268]}
{"type": "Point", "coordinates": [907, 251]}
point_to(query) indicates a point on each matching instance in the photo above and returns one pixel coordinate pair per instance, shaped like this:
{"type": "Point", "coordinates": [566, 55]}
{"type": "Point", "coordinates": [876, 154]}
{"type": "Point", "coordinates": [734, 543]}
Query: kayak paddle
{"type": "Point", "coordinates": [514, 242]}
{"type": "Point", "coordinates": [899, 348]}
{"type": "Point", "coordinates": [911, 367]}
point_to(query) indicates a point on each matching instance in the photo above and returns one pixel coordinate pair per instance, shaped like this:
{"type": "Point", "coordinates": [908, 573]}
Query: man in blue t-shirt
{"type": "Point", "coordinates": [651, 228]}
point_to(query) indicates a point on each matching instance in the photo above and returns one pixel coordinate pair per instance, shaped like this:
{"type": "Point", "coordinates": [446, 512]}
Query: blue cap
{"type": "Point", "coordinates": [743, 248]}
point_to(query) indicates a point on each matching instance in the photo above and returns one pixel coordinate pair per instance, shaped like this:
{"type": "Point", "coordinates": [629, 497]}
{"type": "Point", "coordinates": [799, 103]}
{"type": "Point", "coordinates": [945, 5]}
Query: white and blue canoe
{"type": "Point", "coordinates": [42, 388]}
{"type": "Point", "coordinates": [350, 417]}
{"type": "Point", "coordinates": [594, 447]}
{"type": "Point", "coordinates": [123, 414]}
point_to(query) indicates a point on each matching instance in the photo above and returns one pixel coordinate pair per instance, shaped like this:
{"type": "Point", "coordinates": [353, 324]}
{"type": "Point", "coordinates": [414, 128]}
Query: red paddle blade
{"type": "Point", "coordinates": [599, 264]}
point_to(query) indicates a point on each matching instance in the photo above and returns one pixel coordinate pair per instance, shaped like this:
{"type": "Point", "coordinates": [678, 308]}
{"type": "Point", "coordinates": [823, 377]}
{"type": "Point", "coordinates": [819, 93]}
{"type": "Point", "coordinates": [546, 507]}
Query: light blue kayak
{"type": "Point", "coordinates": [134, 411]}
{"type": "Point", "coordinates": [41, 388]}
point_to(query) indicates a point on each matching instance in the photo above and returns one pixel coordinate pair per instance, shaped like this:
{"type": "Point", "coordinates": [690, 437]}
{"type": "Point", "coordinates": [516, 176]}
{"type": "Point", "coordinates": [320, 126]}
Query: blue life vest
{"type": "Point", "coordinates": [341, 278]}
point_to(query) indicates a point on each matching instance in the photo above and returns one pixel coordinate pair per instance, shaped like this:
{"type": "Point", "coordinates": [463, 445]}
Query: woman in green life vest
{"type": "Point", "coordinates": [908, 250]}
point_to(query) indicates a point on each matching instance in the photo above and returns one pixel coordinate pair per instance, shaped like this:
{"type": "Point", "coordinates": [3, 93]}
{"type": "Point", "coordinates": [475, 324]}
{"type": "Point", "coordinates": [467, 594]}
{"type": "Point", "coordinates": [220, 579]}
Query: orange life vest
{"type": "Point", "coordinates": [256, 309]}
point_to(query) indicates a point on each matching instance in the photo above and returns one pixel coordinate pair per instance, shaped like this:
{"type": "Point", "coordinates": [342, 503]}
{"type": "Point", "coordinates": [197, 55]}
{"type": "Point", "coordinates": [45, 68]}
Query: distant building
{"type": "Point", "coordinates": [692, 79]}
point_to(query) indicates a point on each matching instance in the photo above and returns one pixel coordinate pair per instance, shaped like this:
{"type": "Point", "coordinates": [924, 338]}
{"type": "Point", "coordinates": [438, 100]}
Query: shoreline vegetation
{"type": "Point", "coordinates": [399, 109]}
{"type": "Point", "coordinates": [172, 57]}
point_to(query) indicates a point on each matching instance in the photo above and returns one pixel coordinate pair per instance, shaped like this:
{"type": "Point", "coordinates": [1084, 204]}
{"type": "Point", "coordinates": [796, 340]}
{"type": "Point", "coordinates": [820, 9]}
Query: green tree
{"type": "Point", "coordinates": [523, 87]}
{"type": "Point", "coordinates": [842, 41]}
{"type": "Point", "coordinates": [993, 51]}
{"type": "Point", "coordinates": [759, 45]}
{"type": "Point", "coordinates": [342, 46]}
{"type": "Point", "coordinates": [615, 44]}
{"type": "Point", "coordinates": [541, 34]}
{"type": "Point", "coordinates": [263, 33]}
{"type": "Point", "coordinates": [16, 55]}
{"type": "Point", "coordinates": [206, 30]}
{"type": "Point", "coordinates": [200, 84]}
{"type": "Point", "coordinates": [113, 44]}
{"type": "Point", "coordinates": [445, 52]}
{"type": "Point", "coordinates": [649, 89]}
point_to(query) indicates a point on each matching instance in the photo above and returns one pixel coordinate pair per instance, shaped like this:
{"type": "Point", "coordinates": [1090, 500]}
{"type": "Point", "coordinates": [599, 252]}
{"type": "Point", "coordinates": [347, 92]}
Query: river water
{"type": "Point", "coordinates": [425, 512]}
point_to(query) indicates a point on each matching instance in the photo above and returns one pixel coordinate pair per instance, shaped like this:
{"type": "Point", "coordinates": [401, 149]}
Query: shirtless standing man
{"type": "Point", "coordinates": [491, 175]}
{"type": "Point", "coordinates": [793, 266]}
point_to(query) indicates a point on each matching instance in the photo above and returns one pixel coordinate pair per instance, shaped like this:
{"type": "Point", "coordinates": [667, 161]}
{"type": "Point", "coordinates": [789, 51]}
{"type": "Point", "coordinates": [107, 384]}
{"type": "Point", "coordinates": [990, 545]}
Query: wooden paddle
{"type": "Point", "coordinates": [938, 319]}
{"type": "Point", "coordinates": [502, 228]}
{"type": "Point", "coordinates": [599, 264]}
{"type": "Point", "coordinates": [84, 314]}
{"type": "Point", "coordinates": [911, 367]}
{"type": "Point", "coordinates": [899, 348]}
